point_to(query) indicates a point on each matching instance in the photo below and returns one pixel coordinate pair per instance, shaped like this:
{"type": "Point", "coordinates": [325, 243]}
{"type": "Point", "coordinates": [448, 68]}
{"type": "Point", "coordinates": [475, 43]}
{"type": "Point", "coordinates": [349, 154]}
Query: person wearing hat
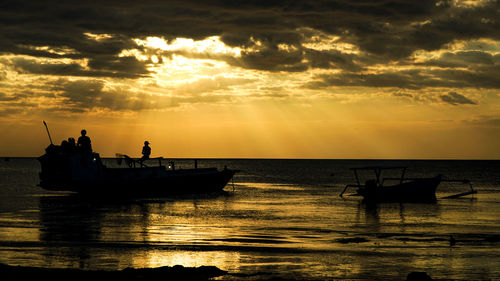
{"type": "Point", "coordinates": [146, 151]}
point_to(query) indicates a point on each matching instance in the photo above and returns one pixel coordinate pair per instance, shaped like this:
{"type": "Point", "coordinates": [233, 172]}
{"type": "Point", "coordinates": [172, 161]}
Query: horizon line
{"type": "Point", "coordinates": [284, 158]}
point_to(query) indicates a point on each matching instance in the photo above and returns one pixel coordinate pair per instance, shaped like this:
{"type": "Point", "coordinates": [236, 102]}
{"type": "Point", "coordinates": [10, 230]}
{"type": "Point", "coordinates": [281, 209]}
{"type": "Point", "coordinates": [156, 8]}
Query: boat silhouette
{"type": "Point", "coordinates": [400, 189]}
{"type": "Point", "coordinates": [74, 169]}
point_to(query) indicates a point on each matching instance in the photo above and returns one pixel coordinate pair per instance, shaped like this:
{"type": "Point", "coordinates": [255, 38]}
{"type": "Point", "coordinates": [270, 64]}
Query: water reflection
{"type": "Point", "coordinates": [87, 233]}
{"type": "Point", "coordinates": [402, 212]}
{"type": "Point", "coordinates": [394, 224]}
{"type": "Point", "coordinates": [69, 219]}
{"type": "Point", "coordinates": [290, 231]}
{"type": "Point", "coordinates": [286, 228]}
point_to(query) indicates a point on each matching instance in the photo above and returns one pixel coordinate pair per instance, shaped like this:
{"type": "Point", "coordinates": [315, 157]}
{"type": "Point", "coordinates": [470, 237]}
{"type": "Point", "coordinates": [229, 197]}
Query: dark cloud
{"type": "Point", "coordinates": [16, 103]}
{"type": "Point", "coordinates": [13, 97]}
{"type": "Point", "coordinates": [332, 59]}
{"type": "Point", "coordinates": [485, 76]}
{"type": "Point", "coordinates": [273, 60]}
{"type": "Point", "coordinates": [461, 59]}
{"type": "Point", "coordinates": [127, 67]}
{"type": "Point", "coordinates": [82, 93]}
{"type": "Point", "coordinates": [88, 94]}
{"type": "Point", "coordinates": [4, 112]}
{"type": "Point", "coordinates": [4, 97]}
{"type": "Point", "coordinates": [384, 31]}
{"type": "Point", "coordinates": [405, 95]}
{"type": "Point", "coordinates": [456, 99]}
{"type": "Point", "coordinates": [409, 79]}
{"type": "Point", "coordinates": [98, 66]}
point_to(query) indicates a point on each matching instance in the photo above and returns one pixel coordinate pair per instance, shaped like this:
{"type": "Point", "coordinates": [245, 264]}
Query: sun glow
{"type": "Point", "coordinates": [211, 45]}
{"type": "Point", "coordinates": [224, 260]}
{"type": "Point", "coordinates": [181, 60]}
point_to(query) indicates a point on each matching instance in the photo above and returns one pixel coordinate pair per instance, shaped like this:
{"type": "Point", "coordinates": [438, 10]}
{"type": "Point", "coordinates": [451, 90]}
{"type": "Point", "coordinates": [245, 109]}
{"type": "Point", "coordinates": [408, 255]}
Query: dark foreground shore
{"type": "Point", "coordinates": [177, 272]}
{"type": "Point", "coordinates": [165, 273]}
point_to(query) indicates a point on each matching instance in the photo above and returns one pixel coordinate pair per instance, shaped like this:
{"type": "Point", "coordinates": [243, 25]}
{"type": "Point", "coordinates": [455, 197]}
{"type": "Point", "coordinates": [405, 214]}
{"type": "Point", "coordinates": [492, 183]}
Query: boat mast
{"type": "Point", "coordinates": [48, 133]}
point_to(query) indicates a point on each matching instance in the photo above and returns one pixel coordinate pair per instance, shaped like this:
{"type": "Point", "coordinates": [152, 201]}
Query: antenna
{"type": "Point", "coordinates": [48, 133]}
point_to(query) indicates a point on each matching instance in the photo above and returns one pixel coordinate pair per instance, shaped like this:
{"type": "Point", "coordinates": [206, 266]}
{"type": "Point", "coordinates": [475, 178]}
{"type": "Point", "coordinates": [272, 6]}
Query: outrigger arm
{"type": "Point", "coordinates": [472, 191]}
{"type": "Point", "coordinates": [347, 186]}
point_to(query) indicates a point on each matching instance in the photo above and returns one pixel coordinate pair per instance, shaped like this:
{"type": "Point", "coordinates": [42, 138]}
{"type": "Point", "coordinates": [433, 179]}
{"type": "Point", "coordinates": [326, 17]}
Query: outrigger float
{"type": "Point", "coordinates": [73, 169]}
{"type": "Point", "coordinates": [400, 189]}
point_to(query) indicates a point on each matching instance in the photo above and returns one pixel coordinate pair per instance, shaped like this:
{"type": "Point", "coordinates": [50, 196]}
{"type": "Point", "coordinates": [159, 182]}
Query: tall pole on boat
{"type": "Point", "coordinates": [48, 133]}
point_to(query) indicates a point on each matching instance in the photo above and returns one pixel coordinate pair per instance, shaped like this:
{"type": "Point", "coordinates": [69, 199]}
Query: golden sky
{"type": "Point", "coordinates": [254, 79]}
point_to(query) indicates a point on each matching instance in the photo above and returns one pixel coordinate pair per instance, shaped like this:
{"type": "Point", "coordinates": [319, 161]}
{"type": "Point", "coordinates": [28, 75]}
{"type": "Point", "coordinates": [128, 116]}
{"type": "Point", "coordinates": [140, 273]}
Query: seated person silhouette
{"type": "Point", "coordinates": [72, 142]}
{"type": "Point", "coordinates": [84, 142]}
{"type": "Point", "coordinates": [146, 152]}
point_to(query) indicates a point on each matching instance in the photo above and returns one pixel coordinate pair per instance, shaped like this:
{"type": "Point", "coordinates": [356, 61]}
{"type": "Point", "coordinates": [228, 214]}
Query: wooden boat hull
{"type": "Point", "coordinates": [417, 190]}
{"type": "Point", "coordinates": [146, 182]}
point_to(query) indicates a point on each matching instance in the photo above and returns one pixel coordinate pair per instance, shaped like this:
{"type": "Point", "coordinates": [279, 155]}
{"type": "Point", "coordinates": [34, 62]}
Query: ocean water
{"type": "Point", "coordinates": [279, 218]}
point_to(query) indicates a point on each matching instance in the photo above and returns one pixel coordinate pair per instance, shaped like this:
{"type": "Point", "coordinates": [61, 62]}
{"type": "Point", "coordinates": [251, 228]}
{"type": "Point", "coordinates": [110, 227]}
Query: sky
{"type": "Point", "coordinates": [333, 79]}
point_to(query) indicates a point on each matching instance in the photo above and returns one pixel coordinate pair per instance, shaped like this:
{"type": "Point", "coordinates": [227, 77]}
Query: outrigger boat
{"type": "Point", "coordinates": [401, 189]}
{"type": "Point", "coordinates": [84, 172]}
{"type": "Point", "coordinates": [73, 169]}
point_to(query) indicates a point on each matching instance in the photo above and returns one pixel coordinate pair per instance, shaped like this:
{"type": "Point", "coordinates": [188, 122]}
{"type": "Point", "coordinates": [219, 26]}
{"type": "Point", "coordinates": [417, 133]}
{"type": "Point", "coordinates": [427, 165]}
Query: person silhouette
{"type": "Point", "coordinates": [71, 142]}
{"type": "Point", "coordinates": [146, 151]}
{"type": "Point", "coordinates": [84, 142]}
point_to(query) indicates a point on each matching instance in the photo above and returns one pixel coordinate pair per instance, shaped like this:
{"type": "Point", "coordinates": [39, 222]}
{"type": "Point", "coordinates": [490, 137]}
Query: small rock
{"type": "Point", "coordinates": [418, 276]}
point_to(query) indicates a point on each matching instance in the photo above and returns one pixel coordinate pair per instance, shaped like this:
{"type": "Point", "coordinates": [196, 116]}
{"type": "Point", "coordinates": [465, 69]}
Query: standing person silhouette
{"type": "Point", "coordinates": [146, 152]}
{"type": "Point", "coordinates": [84, 142]}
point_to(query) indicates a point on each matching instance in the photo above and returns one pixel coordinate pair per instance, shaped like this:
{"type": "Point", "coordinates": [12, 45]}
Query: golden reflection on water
{"type": "Point", "coordinates": [223, 260]}
{"type": "Point", "coordinates": [19, 234]}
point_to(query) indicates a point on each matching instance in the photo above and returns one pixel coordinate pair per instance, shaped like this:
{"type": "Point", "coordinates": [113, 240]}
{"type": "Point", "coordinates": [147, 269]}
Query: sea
{"type": "Point", "coordinates": [277, 218]}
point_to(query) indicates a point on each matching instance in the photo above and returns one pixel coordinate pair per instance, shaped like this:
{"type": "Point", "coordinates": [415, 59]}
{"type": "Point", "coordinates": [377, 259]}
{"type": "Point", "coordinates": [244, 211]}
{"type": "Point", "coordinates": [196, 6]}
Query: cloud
{"type": "Point", "coordinates": [414, 78]}
{"type": "Point", "coordinates": [332, 59]}
{"type": "Point", "coordinates": [341, 43]}
{"type": "Point", "coordinates": [13, 97]}
{"type": "Point", "coordinates": [461, 59]}
{"type": "Point", "coordinates": [405, 95]}
{"type": "Point", "coordinates": [81, 92]}
{"type": "Point", "coordinates": [273, 60]}
{"type": "Point", "coordinates": [454, 98]}
{"type": "Point", "coordinates": [85, 95]}
{"type": "Point", "coordinates": [389, 30]}
{"type": "Point", "coordinates": [407, 79]}
{"type": "Point", "coordinates": [17, 103]}
{"type": "Point", "coordinates": [124, 67]}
